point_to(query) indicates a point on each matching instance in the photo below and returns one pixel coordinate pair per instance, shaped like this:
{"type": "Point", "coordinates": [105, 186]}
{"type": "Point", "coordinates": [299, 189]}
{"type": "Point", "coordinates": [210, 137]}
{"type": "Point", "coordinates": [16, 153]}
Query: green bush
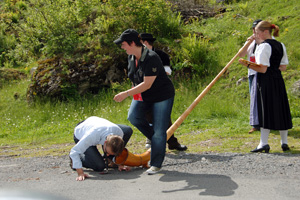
{"type": "Point", "coordinates": [76, 29]}
{"type": "Point", "coordinates": [193, 52]}
{"type": "Point", "coordinates": [50, 28]}
{"type": "Point", "coordinates": [151, 16]}
{"type": "Point", "coordinates": [7, 42]}
{"type": "Point", "coordinates": [63, 27]}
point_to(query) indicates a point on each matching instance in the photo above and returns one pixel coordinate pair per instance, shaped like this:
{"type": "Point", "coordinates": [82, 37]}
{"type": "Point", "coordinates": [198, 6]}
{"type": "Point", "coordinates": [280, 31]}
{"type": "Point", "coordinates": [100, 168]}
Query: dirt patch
{"type": "Point", "coordinates": [196, 9]}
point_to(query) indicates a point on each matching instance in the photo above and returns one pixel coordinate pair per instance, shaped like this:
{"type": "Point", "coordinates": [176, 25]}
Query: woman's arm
{"type": "Point", "coordinates": [142, 87]}
{"type": "Point", "coordinates": [257, 67]}
{"type": "Point", "coordinates": [282, 68]}
{"type": "Point", "coordinates": [244, 52]}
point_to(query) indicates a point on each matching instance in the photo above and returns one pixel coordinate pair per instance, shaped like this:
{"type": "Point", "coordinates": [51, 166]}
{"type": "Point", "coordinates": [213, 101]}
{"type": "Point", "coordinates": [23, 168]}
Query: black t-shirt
{"type": "Point", "coordinates": [151, 65]}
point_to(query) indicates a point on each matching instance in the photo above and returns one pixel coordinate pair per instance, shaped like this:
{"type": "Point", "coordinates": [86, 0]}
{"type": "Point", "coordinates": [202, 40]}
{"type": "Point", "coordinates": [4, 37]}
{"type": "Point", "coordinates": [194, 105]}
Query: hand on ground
{"type": "Point", "coordinates": [82, 177]}
{"type": "Point", "coordinates": [124, 168]}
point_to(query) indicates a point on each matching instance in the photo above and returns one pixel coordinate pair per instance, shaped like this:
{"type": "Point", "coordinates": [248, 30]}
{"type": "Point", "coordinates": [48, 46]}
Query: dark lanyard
{"type": "Point", "coordinates": [106, 162]}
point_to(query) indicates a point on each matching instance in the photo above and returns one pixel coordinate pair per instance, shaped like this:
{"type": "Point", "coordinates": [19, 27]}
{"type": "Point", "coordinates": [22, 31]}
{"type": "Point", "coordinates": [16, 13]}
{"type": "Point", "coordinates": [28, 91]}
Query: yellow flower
{"type": "Point", "coordinates": [286, 30]}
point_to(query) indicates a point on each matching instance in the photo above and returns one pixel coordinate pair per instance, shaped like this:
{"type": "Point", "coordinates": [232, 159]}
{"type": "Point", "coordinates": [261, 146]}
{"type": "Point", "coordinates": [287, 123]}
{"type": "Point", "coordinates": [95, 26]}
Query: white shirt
{"type": "Point", "coordinates": [168, 70]}
{"type": "Point", "coordinates": [91, 132]}
{"type": "Point", "coordinates": [250, 54]}
{"type": "Point", "coordinates": [263, 54]}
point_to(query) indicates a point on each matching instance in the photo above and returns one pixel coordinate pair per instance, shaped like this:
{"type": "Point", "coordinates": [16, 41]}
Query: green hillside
{"type": "Point", "coordinates": [199, 49]}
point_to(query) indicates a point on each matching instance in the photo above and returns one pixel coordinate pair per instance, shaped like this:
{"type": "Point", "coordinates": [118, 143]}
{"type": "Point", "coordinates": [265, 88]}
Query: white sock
{"type": "Point", "coordinates": [284, 135]}
{"type": "Point", "coordinates": [264, 136]}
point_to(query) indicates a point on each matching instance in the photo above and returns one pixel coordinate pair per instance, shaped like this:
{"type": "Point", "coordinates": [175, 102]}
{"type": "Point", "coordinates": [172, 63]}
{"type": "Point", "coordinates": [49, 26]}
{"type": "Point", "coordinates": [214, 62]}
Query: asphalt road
{"type": "Point", "coordinates": [184, 176]}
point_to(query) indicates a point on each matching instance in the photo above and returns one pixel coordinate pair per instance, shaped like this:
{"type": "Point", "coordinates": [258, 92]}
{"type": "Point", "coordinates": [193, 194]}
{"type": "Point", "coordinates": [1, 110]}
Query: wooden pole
{"type": "Point", "coordinates": [178, 122]}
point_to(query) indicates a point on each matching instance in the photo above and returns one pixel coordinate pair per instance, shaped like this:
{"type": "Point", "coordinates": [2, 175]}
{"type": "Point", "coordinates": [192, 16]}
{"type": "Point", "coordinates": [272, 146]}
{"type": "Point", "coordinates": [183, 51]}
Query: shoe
{"type": "Point", "coordinates": [285, 147]}
{"type": "Point", "coordinates": [148, 144]}
{"type": "Point", "coordinates": [153, 170]}
{"type": "Point", "coordinates": [265, 148]}
{"type": "Point", "coordinates": [252, 130]}
{"type": "Point", "coordinates": [178, 147]}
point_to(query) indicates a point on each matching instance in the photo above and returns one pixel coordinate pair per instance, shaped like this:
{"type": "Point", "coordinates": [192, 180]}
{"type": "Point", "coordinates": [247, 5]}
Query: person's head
{"type": "Point", "coordinates": [129, 36]}
{"type": "Point", "coordinates": [113, 145]}
{"type": "Point", "coordinates": [148, 39]}
{"type": "Point", "coordinates": [263, 30]}
{"type": "Point", "coordinates": [254, 24]}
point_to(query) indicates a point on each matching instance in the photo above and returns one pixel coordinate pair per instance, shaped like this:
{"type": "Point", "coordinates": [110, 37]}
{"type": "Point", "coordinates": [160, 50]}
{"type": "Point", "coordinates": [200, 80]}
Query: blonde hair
{"type": "Point", "coordinates": [265, 25]}
{"type": "Point", "coordinates": [116, 144]}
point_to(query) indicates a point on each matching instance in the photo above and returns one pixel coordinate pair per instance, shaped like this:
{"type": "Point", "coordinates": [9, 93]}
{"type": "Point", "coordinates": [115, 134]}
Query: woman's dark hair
{"type": "Point", "coordinates": [137, 42]}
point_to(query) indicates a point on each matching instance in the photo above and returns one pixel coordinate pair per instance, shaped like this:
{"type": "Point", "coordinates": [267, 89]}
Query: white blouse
{"type": "Point", "coordinates": [263, 54]}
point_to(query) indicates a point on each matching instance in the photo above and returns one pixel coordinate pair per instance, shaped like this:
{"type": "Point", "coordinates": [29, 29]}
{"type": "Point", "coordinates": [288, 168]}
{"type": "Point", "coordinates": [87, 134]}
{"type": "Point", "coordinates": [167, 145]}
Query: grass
{"type": "Point", "coordinates": [219, 123]}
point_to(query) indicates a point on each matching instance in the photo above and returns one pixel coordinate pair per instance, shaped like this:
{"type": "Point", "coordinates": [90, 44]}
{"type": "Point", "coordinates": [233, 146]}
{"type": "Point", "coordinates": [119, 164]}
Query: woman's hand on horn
{"type": "Point", "coordinates": [244, 62]}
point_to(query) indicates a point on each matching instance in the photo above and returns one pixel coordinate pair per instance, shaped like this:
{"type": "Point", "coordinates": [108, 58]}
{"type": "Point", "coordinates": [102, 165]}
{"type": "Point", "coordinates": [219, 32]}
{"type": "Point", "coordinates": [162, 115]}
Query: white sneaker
{"type": "Point", "coordinates": [148, 144]}
{"type": "Point", "coordinates": [153, 170]}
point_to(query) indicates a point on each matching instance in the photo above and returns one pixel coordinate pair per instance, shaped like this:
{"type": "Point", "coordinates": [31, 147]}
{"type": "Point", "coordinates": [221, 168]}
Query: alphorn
{"type": "Point", "coordinates": [126, 158]}
{"type": "Point", "coordinates": [178, 122]}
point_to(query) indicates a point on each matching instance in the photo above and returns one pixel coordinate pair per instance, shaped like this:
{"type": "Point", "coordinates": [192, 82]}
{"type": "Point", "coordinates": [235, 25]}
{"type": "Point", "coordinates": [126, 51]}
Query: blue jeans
{"type": "Point", "coordinates": [156, 133]}
{"type": "Point", "coordinates": [92, 157]}
{"type": "Point", "coordinates": [250, 78]}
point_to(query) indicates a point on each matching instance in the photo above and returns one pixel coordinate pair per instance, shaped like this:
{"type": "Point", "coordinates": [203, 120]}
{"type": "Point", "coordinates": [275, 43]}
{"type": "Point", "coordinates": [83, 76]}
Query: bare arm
{"type": "Point", "coordinates": [142, 87]}
{"type": "Point", "coordinates": [282, 68]}
{"type": "Point", "coordinates": [261, 68]}
{"type": "Point", "coordinates": [257, 67]}
{"type": "Point", "coordinates": [244, 52]}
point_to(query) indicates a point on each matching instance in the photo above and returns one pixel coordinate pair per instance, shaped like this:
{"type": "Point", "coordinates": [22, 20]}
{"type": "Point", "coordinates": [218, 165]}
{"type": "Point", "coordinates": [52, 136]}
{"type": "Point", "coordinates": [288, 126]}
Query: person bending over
{"type": "Point", "coordinates": [91, 132]}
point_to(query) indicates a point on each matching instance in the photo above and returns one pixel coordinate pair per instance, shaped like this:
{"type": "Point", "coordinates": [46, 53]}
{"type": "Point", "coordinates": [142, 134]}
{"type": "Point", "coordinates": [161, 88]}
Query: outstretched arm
{"type": "Point", "coordinates": [142, 87]}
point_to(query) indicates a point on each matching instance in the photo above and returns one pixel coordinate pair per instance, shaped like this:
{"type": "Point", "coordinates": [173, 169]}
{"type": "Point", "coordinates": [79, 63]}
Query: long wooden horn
{"type": "Point", "coordinates": [178, 122]}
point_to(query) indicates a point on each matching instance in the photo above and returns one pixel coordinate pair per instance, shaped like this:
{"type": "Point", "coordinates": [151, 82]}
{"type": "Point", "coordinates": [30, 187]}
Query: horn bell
{"type": "Point", "coordinates": [133, 160]}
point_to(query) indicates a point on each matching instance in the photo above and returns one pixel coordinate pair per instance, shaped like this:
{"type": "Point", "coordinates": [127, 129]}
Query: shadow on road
{"type": "Point", "coordinates": [212, 184]}
{"type": "Point", "coordinates": [114, 174]}
{"type": "Point", "coordinates": [191, 179]}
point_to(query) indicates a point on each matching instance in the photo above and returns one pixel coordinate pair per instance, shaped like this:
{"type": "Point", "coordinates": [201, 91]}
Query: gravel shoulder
{"type": "Point", "coordinates": [183, 176]}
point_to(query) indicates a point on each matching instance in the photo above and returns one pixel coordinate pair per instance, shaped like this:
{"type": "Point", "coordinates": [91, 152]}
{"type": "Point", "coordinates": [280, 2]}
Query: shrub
{"type": "Point", "coordinates": [151, 16]}
{"type": "Point", "coordinates": [193, 52]}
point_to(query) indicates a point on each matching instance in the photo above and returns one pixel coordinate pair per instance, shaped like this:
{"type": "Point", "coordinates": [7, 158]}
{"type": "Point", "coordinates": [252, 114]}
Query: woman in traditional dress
{"type": "Point", "coordinates": [273, 106]}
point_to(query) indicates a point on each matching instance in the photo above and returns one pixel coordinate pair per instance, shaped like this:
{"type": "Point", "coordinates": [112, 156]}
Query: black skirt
{"type": "Point", "coordinates": [272, 101]}
{"type": "Point", "coordinates": [273, 105]}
